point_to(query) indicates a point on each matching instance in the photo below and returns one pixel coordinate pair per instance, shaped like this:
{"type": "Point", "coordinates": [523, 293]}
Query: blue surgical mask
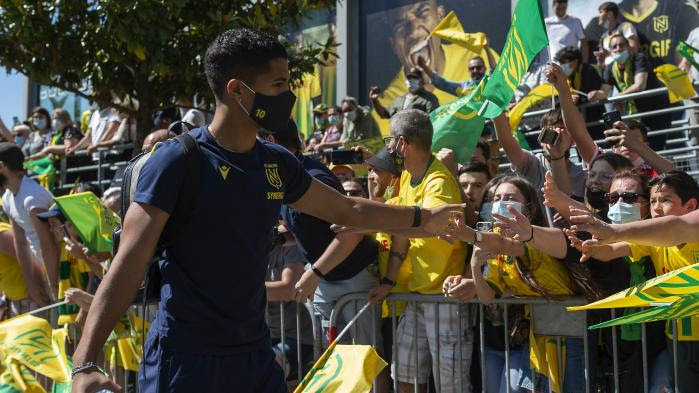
{"type": "Point", "coordinates": [500, 207]}
{"type": "Point", "coordinates": [622, 212]}
{"type": "Point", "coordinates": [333, 119]}
{"type": "Point", "coordinates": [40, 123]}
{"type": "Point", "coordinates": [413, 85]}
{"type": "Point", "coordinates": [566, 69]}
{"type": "Point", "coordinates": [19, 140]}
{"type": "Point", "coordinates": [605, 24]}
{"type": "Point", "coordinates": [57, 124]}
{"type": "Point", "coordinates": [486, 211]}
{"type": "Point", "coordinates": [620, 57]}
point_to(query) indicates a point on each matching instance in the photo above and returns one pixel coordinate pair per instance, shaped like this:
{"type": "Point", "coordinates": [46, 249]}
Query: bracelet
{"type": "Point", "coordinates": [557, 158]}
{"type": "Point", "coordinates": [317, 272]}
{"type": "Point", "coordinates": [392, 253]}
{"type": "Point", "coordinates": [387, 281]}
{"type": "Point", "coordinates": [417, 216]}
{"type": "Point", "coordinates": [84, 367]}
{"type": "Point", "coordinates": [530, 237]}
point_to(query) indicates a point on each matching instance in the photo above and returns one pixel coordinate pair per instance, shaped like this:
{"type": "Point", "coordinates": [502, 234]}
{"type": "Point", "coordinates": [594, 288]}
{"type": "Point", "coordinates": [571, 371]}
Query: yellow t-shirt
{"type": "Point", "coordinates": [73, 273]}
{"type": "Point", "coordinates": [404, 273]}
{"type": "Point", "coordinates": [432, 259]}
{"type": "Point", "coordinates": [547, 271]}
{"type": "Point", "coordinates": [11, 278]}
{"type": "Point", "coordinates": [667, 259]}
{"type": "Point", "coordinates": [552, 276]}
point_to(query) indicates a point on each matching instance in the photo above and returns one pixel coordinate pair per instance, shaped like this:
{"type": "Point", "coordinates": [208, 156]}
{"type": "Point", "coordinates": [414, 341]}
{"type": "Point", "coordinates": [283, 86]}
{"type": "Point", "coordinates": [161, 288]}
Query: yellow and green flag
{"type": "Point", "coordinates": [30, 341]}
{"type": "Point", "coordinates": [45, 171]}
{"type": "Point", "coordinates": [450, 29]}
{"type": "Point", "coordinates": [684, 307]}
{"type": "Point", "coordinates": [526, 38]}
{"type": "Point", "coordinates": [93, 221]}
{"type": "Point", "coordinates": [343, 369]}
{"type": "Point", "coordinates": [661, 290]}
{"type": "Point", "coordinates": [679, 86]}
{"type": "Point", "coordinates": [536, 95]}
{"type": "Point", "coordinates": [457, 126]}
{"type": "Point", "coordinates": [687, 51]}
{"type": "Point", "coordinates": [16, 378]}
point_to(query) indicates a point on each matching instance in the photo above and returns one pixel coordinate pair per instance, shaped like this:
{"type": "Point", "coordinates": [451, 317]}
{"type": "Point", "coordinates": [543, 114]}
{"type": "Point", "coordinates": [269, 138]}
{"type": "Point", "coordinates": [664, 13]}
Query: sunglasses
{"type": "Point", "coordinates": [628, 197]}
{"type": "Point", "coordinates": [475, 68]}
{"type": "Point", "coordinates": [354, 193]}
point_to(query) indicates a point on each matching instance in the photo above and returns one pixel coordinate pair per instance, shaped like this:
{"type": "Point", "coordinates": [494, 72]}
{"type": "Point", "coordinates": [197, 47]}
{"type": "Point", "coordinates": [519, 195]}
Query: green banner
{"type": "Point", "coordinates": [526, 38]}
{"type": "Point", "coordinates": [687, 51]}
{"type": "Point", "coordinates": [93, 221]}
{"type": "Point", "coordinates": [686, 306]}
{"type": "Point", "coordinates": [457, 126]}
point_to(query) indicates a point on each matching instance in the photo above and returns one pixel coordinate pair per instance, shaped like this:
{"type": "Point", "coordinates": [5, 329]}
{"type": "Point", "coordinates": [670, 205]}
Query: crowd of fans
{"type": "Point", "coordinates": [514, 238]}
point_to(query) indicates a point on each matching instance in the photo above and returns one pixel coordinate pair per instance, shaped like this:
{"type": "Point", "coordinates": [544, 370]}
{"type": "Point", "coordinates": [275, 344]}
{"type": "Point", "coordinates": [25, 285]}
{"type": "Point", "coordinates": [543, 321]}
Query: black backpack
{"type": "Point", "coordinates": [150, 290]}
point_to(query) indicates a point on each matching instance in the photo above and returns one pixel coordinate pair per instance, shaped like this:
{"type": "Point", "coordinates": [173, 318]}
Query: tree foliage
{"type": "Point", "coordinates": [148, 50]}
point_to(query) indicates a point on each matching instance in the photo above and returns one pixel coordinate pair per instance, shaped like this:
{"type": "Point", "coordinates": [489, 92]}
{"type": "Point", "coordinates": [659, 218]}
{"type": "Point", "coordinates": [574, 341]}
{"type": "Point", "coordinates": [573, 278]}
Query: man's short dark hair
{"type": "Point", "coordinates": [610, 6]}
{"type": "Point", "coordinates": [569, 53]}
{"type": "Point", "coordinates": [484, 148]}
{"type": "Point", "coordinates": [239, 54]}
{"type": "Point", "coordinates": [12, 156]}
{"type": "Point", "coordinates": [476, 167]}
{"type": "Point", "coordinates": [415, 126]}
{"type": "Point", "coordinates": [680, 182]}
{"type": "Point", "coordinates": [552, 117]}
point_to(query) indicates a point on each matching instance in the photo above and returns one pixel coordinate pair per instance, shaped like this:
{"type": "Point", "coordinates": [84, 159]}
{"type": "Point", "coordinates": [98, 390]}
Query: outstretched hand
{"type": "Point", "coordinates": [584, 221]}
{"type": "Point", "coordinates": [518, 227]}
{"type": "Point", "coordinates": [552, 194]}
{"type": "Point", "coordinates": [438, 219]}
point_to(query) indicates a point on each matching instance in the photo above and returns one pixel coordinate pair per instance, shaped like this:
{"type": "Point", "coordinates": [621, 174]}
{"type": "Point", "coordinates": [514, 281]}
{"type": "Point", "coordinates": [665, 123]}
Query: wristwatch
{"type": "Point", "coordinates": [387, 281]}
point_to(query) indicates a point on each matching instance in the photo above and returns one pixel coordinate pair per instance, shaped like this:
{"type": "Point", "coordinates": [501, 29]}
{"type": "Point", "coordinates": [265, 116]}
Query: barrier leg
{"type": "Point", "coordinates": [481, 334]}
{"type": "Point", "coordinates": [415, 345]}
{"type": "Point", "coordinates": [438, 376]}
{"type": "Point", "coordinates": [615, 355]}
{"type": "Point", "coordinates": [394, 330]}
{"type": "Point", "coordinates": [507, 349]}
{"type": "Point", "coordinates": [644, 353]}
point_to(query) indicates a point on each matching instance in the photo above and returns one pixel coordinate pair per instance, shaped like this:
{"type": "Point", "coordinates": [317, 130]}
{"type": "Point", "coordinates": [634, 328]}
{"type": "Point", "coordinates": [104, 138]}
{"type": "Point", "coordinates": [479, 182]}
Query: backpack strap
{"type": "Point", "coordinates": [188, 190]}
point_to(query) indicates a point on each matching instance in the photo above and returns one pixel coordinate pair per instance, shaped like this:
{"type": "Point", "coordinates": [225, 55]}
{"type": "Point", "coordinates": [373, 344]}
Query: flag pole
{"type": "Point", "coordinates": [553, 89]}
{"type": "Point", "coordinates": [50, 306]}
{"type": "Point", "coordinates": [352, 321]}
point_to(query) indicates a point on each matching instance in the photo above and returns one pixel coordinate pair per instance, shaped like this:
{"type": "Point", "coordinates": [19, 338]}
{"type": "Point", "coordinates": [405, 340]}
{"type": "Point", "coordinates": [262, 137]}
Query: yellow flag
{"type": "Point", "coordinates": [679, 86]}
{"type": "Point", "coordinates": [535, 96]}
{"type": "Point", "coordinates": [450, 29]}
{"type": "Point", "coordinates": [343, 369]}
{"type": "Point", "coordinates": [15, 377]}
{"type": "Point", "coordinates": [543, 358]}
{"type": "Point", "coordinates": [663, 289]}
{"type": "Point", "coordinates": [29, 340]}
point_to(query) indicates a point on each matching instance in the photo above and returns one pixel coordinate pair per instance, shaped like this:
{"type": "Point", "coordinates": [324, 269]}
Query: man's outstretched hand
{"type": "Point", "coordinates": [584, 221]}
{"type": "Point", "coordinates": [437, 219]}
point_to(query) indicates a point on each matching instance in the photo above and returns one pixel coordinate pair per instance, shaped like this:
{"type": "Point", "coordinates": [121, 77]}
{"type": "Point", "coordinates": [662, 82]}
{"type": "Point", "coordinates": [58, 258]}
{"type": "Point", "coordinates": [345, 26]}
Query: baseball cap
{"type": "Point", "coordinates": [11, 155]}
{"type": "Point", "coordinates": [383, 160]}
{"type": "Point", "coordinates": [320, 108]}
{"type": "Point", "coordinates": [54, 211]}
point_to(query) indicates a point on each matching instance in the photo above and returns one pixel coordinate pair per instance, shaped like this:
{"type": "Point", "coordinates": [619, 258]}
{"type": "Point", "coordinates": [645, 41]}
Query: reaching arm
{"type": "Point", "coordinates": [661, 231]}
{"type": "Point", "coordinates": [337, 251]}
{"type": "Point", "coordinates": [491, 59]}
{"type": "Point", "coordinates": [82, 144]}
{"type": "Point", "coordinates": [49, 251]}
{"type": "Point", "coordinates": [283, 290]}
{"type": "Point", "coordinates": [364, 213]}
{"type": "Point", "coordinates": [556, 199]}
{"type": "Point", "coordinates": [485, 293]}
{"type": "Point", "coordinates": [585, 49]}
{"type": "Point", "coordinates": [572, 118]}
{"type": "Point", "coordinates": [31, 273]}
{"type": "Point", "coordinates": [639, 84]}
{"type": "Point", "coordinates": [142, 227]}
{"type": "Point", "coordinates": [622, 135]}
{"type": "Point", "coordinates": [374, 97]}
{"type": "Point", "coordinates": [513, 150]}
{"type": "Point", "coordinates": [396, 258]}
{"type": "Point", "coordinates": [550, 241]}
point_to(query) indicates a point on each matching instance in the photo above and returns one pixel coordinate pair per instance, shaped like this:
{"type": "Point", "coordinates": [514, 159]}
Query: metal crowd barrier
{"type": "Point", "coordinates": [553, 320]}
{"type": "Point", "coordinates": [98, 167]}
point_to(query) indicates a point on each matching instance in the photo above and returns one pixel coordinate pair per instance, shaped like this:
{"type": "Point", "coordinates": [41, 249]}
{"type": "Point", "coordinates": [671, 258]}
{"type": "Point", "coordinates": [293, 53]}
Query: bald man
{"type": "Point", "coordinates": [156, 136]}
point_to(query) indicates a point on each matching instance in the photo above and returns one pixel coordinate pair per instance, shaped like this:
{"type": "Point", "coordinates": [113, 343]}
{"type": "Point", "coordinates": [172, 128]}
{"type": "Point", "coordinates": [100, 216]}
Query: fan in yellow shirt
{"type": "Point", "coordinates": [11, 278]}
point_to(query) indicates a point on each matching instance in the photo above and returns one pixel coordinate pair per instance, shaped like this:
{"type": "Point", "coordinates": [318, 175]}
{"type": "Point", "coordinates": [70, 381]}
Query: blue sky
{"type": "Point", "coordinates": [11, 96]}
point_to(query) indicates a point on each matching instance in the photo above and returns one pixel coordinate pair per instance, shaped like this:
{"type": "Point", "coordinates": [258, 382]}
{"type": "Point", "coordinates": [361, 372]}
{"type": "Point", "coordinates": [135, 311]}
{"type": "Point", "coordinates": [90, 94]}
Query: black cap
{"type": "Point", "coordinates": [54, 211]}
{"type": "Point", "coordinates": [11, 155]}
{"type": "Point", "coordinates": [414, 73]}
{"type": "Point", "coordinates": [383, 160]}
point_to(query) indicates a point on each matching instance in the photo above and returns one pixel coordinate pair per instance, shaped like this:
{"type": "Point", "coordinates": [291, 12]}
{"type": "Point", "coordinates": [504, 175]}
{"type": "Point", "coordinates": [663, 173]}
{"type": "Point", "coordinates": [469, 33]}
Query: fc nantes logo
{"type": "Point", "coordinates": [272, 174]}
{"type": "Point", "coordinates": [224, 171]}
{"type": "Point", "coordinates": [660, 23]}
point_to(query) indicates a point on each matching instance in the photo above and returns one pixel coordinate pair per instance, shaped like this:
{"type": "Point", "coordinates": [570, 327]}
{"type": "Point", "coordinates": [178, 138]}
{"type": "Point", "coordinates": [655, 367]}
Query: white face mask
{"type": "Point", "coordinates": [622, 212]}
{"type": "Point", "coordinates": [413, 85]}
{"type": "Point", "coordinates": [351, 115]}
{"type": "Point", "coordinates": [500, 207]}
{"type": "Point", "coordinates": [620, 57]}
{"type": "Point", "coordinates": [57, 124]}
{"type": "Point", "coordinates": [605, 24]}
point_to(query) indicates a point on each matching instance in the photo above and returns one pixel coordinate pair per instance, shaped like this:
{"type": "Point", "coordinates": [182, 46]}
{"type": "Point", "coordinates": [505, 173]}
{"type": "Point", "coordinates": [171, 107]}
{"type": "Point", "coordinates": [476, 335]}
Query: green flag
{"type": "Point", "coordinates": [686, 306]}
{"type": "Point", "coordinates": [93, 221]}
{"type": "Point", "coordinates": [526, 38]}
{"type": "Point", "coordinates": [457, 126]}
{"type": "Point", "coordinates": [43, 167]}
{"type": "Point", "coordinates": [687, 51]}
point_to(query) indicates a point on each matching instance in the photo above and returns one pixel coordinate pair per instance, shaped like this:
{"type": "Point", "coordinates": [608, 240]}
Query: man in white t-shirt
{"type": "Point", "coordinates": [24, 198]}
{"type": "Point", "coordinates": [609, 19]}
{"type": "Point", "coordinates": [102, 126]}
{"type": "Point", "coordinates": [564, 30]}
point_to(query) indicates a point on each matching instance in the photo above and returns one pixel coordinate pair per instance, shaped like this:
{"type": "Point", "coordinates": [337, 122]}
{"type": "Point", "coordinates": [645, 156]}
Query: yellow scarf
{"type": "Point", "coordinates": [624, 81]}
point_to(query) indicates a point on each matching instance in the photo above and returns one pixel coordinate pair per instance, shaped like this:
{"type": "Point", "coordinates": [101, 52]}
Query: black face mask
{"type": "Point", "coordinates": [3, 179]}
{"type": "Point", "coordinates": [595, 198]}
{"type": "Point", "coordinates": [271, 112]}
{"type": "Point", "coordinates": [398, 161]}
